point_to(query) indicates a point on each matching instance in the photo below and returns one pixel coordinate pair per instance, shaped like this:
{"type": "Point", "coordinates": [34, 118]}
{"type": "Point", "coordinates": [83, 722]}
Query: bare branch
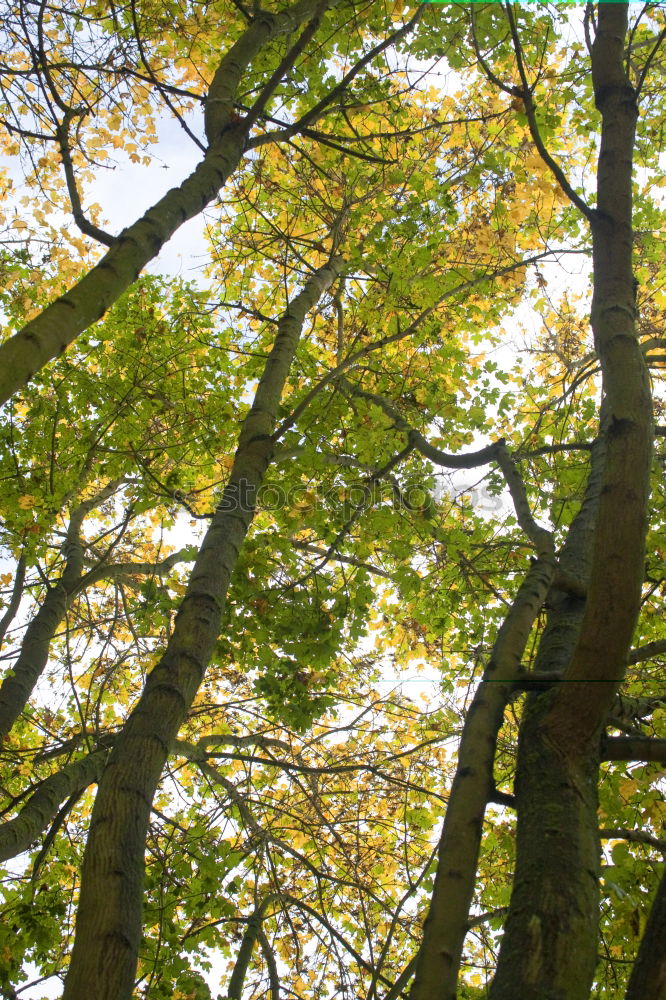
{"type": "Point", "coordinates": [525, 92]}
{"type": "Point", "coordinates": [634, 837]}
{"type": "Point", "coordinates": [85, 225]}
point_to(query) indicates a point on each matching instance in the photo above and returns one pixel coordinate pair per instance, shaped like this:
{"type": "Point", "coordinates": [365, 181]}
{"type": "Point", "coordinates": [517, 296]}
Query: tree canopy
{"type": "Point", "coordinates": [406, 422]}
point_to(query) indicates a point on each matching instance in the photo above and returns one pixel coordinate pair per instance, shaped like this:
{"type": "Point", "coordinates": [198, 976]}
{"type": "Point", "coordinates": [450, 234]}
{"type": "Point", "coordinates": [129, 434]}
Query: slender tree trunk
{"type": "Point", "coordinates": [549, 949]}
{"type": "Point", "coordinates": [18, 684]}
{"type": "Point", "coordinates": [244, 957]}
{"type": "Point", "coordinates": [109, 919]}
{"type": "Point", "coordinates": [15, 599]}
{"type": "Point", "coordinates": [648, 976]}
{"type": "Point", "coordinates": [447, 922]}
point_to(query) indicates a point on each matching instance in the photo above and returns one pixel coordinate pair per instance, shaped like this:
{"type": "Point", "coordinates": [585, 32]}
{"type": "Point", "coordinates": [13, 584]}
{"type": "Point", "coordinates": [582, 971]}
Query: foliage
{"type": "Point", "coordinates": [438, 414]}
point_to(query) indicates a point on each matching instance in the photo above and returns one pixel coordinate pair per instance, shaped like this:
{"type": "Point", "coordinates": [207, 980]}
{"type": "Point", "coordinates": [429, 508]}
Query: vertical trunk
{"type": "Point", "coordinates": [244, 957]}
{"type": "Point", "coordinates": [618, 557]}
{"type": "Point", "coordinates": [446, 925]}
{"type": "Point", "coordinates": [648, 976]}
{"type": "Point", "coordinates": [109, 919]}
{"type": "Point", "coordinates": [549, 949]}
{"type": "Point", "coordinates": [547, 795]}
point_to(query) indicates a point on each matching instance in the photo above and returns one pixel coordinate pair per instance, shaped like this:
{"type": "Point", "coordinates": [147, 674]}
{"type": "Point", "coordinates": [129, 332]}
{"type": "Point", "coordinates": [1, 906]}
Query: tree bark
{"type": "Point", "coordinates": [648, 976]}
{"type": "Point", "coordinates": [644, 748]}
{"type": "Point", "coordinates": [109, 919]}
{"type": "Point", "coordinates": [244, 957]}
{"type": "Point", "coordinates": [15, 599]}
{"type": "Point", "coordinates": [549, 949]}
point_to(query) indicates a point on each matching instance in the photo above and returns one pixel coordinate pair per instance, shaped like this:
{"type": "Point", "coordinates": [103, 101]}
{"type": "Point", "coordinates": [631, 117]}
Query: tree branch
{"type": "Point", "coordinates": [525, 92]}
{"type": "Point", "coordinates": [85, 225]}
{"type": "Point", "coordinates": [648, 651]}
{"type": "Point", "coordinates": [16, 835]}
{"type": "Point", "coordinates": [645, 748]}
{"type": "Point", "coordinates": [634, 836]}
{"type": "Point", "coordinates": [317, 109]}
{"type": "Point", "coordinates": [469, 461]}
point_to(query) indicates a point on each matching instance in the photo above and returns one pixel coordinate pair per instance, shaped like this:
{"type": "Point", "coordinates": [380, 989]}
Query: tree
{"type": "Point", "coordinates": [257, 798]}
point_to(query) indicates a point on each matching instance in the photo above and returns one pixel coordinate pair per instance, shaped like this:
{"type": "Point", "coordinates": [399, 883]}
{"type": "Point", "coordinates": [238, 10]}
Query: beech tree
{"type": "Point", "coordinates": [237, 511]}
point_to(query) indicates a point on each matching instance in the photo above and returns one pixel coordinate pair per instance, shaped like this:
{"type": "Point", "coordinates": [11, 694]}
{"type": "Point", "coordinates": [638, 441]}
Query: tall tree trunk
{"type": "Point", "coordinates": [109, 919]}
{"type": "Point", "coordinates": [549, 949]}
{"type": "Point", "coordinates": [447, 922]}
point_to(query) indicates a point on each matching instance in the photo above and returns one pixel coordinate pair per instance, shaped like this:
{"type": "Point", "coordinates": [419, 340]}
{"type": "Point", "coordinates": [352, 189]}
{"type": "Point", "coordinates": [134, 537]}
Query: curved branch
{"type": "Point", "coordinates": [496, 452]}
{"type": "Point", "coordinates": [85, 225]}
{"type": "Point", "coordinates": [525, 92]}
{"type": "Point", "coordinates": [449, 461]}
{"type": "Point", "coordinates": [540, 537]}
